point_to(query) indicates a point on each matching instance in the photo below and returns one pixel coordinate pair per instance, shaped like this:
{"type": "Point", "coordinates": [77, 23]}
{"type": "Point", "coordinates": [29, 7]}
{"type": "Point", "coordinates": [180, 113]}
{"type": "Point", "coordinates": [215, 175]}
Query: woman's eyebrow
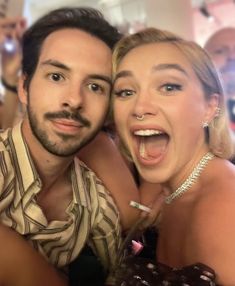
{"type": "Point", "coordinates": [170, 66]}
{"type": "Point", "coordinates": [160, 67]}
{"type": "Point", "coordinates": [124, 73]}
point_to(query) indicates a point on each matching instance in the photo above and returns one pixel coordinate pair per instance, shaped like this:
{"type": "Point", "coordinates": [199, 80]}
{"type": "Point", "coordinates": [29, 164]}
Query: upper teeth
{"type": "Point", "coordinates": [147, 132]}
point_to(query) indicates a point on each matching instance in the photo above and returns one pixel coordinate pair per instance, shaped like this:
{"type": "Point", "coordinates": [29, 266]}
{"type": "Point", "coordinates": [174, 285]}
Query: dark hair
{"type": "Point", "coordinates": [87, 19]}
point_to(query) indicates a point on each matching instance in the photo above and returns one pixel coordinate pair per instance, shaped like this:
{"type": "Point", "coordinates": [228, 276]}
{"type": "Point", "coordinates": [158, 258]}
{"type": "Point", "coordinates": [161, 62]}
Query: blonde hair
{"type": "Point", "coordinates": [218, 134]}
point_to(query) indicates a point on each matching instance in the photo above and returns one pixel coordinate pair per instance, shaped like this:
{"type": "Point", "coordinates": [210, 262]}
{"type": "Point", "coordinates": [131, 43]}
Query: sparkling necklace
{"type": "Point", "coordinates": [187, 184]}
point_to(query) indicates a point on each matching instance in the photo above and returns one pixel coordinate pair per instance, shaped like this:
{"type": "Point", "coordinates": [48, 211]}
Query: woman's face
{"type": "Point", "coordinates": [156, 80]}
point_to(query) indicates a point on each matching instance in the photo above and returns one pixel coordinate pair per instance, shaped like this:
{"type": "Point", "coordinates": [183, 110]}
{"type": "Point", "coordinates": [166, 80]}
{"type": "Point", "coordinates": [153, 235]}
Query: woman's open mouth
{"type": "Point", "coordinates": [152, 143]}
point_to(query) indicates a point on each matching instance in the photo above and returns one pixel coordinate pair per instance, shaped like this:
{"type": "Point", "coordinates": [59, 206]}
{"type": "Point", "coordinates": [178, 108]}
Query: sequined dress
{"type": "Point", "coordinates": [140, 270]}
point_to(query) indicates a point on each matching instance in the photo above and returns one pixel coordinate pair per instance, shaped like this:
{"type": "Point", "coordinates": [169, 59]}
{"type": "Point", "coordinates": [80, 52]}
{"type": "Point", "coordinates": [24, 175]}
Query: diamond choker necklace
{"type": "Point", "coordinates": [187, 184]}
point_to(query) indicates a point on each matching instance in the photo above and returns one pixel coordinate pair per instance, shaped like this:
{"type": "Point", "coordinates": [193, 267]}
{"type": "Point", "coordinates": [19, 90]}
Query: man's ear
{"type": "Point", "coordinates": [22, 93]}
{"type": "Point", "coordinates": [212, 108]}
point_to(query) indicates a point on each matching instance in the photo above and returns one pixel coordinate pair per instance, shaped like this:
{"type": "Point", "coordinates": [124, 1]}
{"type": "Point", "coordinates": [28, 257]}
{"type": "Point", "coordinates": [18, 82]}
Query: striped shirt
{"type": "Point", "coordinates": [92, 215]}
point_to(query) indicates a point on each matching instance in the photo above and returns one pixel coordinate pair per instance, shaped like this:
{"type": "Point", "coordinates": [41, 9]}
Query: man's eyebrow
{"type": "Point", "coordinates": [101, 77]}
{"type": "Point", "coordinates": [55, 63]}
{"type": "Point", "coordinates": [170, 67]}
{"type": "Point", "coordinates": [65, 67]}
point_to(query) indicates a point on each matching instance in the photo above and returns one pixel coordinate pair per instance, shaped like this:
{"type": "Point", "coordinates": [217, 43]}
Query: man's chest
{"type": "Point", "coordinates": [55, 201]}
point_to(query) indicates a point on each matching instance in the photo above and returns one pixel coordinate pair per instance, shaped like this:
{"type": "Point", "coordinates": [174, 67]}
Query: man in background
{"type": "Point", "coordinates": [221, 47]}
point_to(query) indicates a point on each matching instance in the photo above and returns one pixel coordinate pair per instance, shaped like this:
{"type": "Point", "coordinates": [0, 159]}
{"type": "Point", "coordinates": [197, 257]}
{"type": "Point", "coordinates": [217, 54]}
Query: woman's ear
{"type": "Point", "coordinates": [212, 108]}
{"type": "Point", "coordinates": [22, 93]}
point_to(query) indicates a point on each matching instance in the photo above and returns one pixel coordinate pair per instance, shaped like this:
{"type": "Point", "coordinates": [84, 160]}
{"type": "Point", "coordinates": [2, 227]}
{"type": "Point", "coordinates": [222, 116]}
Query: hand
{"type": "Point", "coordinates": [13, 29]}
{"type": "Point", "coordinates": [152, 218]}
{"type": "Point", "coordinates": [151, 195]}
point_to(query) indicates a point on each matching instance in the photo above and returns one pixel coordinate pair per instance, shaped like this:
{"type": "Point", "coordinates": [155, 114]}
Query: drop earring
{"type": "Point", "coordinates": [217, 112]}
{"type": "Point", "coordinates": [205, 125]}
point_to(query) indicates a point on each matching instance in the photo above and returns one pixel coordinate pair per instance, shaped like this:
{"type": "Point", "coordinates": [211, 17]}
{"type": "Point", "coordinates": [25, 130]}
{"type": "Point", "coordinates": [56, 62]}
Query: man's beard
{"type": "Point", "coordinates": [55, 148]}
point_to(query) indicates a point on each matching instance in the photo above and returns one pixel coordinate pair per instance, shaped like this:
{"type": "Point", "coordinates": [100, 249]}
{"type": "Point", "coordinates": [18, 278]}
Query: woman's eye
{"type": "Point", "coordinates": [123, 93]}
{"type": "Point", "coordinates": [168, 87]}
{"type": "Point", "coordinates": [96, 87]}
{"type": "Point", "coordinates": [56, 77]}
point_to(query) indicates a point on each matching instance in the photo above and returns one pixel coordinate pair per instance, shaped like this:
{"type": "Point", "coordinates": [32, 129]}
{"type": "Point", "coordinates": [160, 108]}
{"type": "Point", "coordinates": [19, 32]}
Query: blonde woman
{"type": "Point", "coordinates": [170, 114]}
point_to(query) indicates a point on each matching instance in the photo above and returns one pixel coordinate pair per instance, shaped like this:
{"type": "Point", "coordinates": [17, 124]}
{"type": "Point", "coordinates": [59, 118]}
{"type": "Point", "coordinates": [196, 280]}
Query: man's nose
{"type": "Point", "coordinates": [75, 98]}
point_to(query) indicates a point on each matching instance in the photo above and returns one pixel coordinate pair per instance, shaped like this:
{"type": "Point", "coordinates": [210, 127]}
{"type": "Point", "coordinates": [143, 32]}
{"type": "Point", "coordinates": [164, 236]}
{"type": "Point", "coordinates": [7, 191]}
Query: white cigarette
{"type": "Point", "coordinates": [139, 206]}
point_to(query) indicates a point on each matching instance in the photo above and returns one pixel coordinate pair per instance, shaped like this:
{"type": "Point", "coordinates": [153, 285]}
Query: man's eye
{"type": "Point", "coordinates": [55, 77]}
{"type": "Point", "coordinates": [168, 87]}
{"type": "Point", "coordinates": [123, 93]}
{"type": "Point", "coordinates": [221, 51]}
{"type": "Point", "coordinates": [96, 88]}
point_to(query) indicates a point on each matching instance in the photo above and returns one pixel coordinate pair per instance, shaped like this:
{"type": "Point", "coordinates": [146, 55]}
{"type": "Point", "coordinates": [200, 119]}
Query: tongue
{"type": "Point", "coordinates": [153, 146]}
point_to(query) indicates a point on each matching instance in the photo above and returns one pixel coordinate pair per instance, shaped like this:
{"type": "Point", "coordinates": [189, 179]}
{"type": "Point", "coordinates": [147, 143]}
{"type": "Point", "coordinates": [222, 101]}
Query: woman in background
{"type": "Point", "coordinates": [169, 111]}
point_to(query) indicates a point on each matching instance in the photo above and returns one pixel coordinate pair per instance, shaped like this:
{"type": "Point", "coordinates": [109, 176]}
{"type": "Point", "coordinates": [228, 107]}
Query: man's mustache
{"type": "Point", "coordinates": [74, 115]}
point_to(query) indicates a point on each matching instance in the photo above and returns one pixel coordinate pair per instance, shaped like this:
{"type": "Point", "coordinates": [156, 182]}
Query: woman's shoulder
{"type": "Point", "coordinates": [214, 206]}
{"type": "Point", "coordinates": [212, 231]}
{"type": "Point", "coordinates": [218, 188]}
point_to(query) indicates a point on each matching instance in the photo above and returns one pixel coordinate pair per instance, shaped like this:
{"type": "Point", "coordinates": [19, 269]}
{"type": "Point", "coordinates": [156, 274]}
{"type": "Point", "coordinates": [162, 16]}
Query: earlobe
{"type": "Point", "coordinates": [22, 93]}
{"type": "Point", "coordinates": [212, 108]}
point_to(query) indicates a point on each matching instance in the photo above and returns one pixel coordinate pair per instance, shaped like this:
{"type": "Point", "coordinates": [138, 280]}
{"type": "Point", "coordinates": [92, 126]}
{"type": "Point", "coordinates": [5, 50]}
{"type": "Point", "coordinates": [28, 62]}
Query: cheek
{"type": "Point", "coordinates": [120, 119]}
{"type": "Point", "coordinates": [96, 109]}
{"type": "Point", "coordinates": [120, 114]}
{"type": "Point", "coordinates": [219, 60]}
{"type": "Point", "coordinates": [187, 116]}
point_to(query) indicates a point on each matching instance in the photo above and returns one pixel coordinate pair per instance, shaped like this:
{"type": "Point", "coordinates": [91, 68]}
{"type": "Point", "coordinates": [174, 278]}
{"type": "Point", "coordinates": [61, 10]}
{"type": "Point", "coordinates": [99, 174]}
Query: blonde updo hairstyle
{"type": "Point", "coordinates": [218, 133]}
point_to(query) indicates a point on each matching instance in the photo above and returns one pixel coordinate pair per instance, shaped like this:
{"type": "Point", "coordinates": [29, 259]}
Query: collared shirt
{"type": "Point", "coordinates": [92, 214]}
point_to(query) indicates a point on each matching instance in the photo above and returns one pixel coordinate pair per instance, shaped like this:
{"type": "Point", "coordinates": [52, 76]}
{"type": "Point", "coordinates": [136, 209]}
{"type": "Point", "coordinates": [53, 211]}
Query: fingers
{"type": "Point", "coordinates": [12, 28]}
{"type": "Point", "coordinates": [20, 28]}
{"type": "Point", "coordinates": [152, 218]}
{"type": "Point", "coordinates": [140, 206]}
{"type": "Point", "coordinates": [150, 214]}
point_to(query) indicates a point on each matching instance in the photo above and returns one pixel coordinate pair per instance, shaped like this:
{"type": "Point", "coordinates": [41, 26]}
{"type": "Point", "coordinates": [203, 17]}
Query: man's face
{"type": "Point", "coordinates": [68, 96]}
{"type": "Point", "coordinates": [222, 50]}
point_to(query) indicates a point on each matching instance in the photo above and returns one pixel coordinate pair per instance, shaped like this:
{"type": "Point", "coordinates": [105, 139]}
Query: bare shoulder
{"type": "Point", "coordinates": [215, 207]}
{"type": "Point", "coordinates": [212, 225]}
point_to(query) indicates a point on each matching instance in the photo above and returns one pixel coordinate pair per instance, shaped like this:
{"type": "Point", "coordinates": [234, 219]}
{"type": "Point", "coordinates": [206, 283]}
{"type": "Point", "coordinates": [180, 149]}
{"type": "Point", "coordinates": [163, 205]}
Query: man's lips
{"type": "Point", "coordinates": [66, 125]}
{"type": "Point", "coordinates": [67, 122]}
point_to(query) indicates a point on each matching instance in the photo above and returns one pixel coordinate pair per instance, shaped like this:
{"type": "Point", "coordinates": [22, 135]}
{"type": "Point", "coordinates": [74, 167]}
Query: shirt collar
{"type": "Point", "coordinates": [22, 161]}
{"type": "Point", "coordinates": [27, 172]}
{"type": "Point", "coordinates": [81, 184]}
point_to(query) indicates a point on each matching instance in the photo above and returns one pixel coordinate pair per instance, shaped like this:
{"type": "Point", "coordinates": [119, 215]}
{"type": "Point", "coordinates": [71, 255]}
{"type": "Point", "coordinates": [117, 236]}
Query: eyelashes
{"type": "Point", "coordinates": [124, 93]}
{"type": "Point", "coordinates": [166, 88]}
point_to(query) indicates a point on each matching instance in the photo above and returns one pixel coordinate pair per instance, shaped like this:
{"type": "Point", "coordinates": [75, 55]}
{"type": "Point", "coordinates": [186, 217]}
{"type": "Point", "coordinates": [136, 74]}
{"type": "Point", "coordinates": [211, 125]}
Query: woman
{"type": "Point", "coordinates": [170, 114]}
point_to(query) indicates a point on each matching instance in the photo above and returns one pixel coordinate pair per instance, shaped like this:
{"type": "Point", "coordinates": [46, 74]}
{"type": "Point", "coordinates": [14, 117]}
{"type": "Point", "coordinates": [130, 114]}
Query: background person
{"type": "Point", "coordinates": [221, 47]}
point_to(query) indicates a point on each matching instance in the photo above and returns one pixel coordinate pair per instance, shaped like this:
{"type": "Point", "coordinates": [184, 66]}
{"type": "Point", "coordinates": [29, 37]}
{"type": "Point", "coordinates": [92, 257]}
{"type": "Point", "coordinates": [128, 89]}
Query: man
{"type": "Point", "coordinates": [47, 195]}
{"type": "Point", "coordinates": [221, 47]}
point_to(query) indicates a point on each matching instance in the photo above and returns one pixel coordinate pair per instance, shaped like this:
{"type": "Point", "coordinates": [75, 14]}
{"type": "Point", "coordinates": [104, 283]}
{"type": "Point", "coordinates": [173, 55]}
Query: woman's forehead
{"type": "Point", "coordinates": [149, 56]}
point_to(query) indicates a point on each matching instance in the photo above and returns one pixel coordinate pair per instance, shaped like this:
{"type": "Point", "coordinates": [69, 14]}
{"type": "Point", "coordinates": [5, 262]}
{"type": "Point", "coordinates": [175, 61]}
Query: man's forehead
{"type": "Point", "coordinates": [74, 47]}
{"type": "Point", "coordinates": [223, 37]}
